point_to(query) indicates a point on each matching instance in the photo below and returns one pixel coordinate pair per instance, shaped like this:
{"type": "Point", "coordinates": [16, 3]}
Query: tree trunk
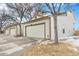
{"type": "Point", "coordinates": [0, 26]}
{"type": "Point", "coordinates": [20, 27]}
{"type": "Point", "coordinates": [55, 30]}
{"type": "Point", "coordinates": [20, 30]}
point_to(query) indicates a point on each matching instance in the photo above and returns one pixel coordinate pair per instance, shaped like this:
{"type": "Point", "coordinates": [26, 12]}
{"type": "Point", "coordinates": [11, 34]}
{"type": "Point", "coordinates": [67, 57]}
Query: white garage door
{"type": "Point", "coordinates": [12, 31]}
{"type": "Point", "coordinates": [7, 32]}
{"type": "Point", "coordinates": [36, 31]}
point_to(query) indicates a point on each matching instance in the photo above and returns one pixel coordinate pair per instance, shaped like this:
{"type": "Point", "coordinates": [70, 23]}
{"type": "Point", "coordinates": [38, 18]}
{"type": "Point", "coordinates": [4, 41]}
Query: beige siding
{"type": "Point", "coordinates": [11, 31]}
{"type": "Point", "coordinates": [52, 28]}
{"type": "Point", "coordinates": [38, 30]}
{"type": "Point", "coordinates": [18, 29]}
{"type": "Point", "coordinates": [63, 22]}
{"type": "Point", "coordinates": [7, 32]}
{"type": "Point", "coordinates": [66, 23]}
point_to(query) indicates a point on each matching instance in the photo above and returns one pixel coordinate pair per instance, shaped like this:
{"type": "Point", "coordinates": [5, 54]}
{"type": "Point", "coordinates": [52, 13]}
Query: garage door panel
{"type": "Point", "coordinates": [7, 32]}
{"type": "Point", "coordinates": [12, 31]}
{"type": "Point", "coordinates": [36, 31]}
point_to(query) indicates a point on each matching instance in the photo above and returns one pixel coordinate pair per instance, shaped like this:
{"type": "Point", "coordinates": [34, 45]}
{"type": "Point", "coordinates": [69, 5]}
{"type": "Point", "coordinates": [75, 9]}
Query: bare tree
{"type": "Point", "coordinates": [39, 8]}
{"type": "Point", "coordinates": [2, 19]}
{"type": "Point", "coordinates": [55, 10]}
{"type": "Point", "coordinates": [19, 12]}
{"type": "Point", "coordinates": [25, 10]}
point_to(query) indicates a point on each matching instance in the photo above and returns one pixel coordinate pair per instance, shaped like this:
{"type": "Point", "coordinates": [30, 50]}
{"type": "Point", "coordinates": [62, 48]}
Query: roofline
{"type": "Point", "coordinates": [10, 25]}
{"type": "Point", "coordinates": [38, 19]}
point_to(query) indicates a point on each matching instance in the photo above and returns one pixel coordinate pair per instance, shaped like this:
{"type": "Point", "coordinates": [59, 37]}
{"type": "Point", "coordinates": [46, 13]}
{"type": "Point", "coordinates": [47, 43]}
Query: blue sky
{"type": "Point", "coordinates": [75, 10]}
{"type": "Point", "coordinates": [75, 7]}
{"type": "Point", "coordinates": [76, 14]}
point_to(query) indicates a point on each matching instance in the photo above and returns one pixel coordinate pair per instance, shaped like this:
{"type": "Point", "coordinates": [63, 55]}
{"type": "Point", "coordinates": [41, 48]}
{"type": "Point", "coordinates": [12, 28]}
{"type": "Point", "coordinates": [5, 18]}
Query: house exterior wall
{"type": "Point", "coordinates": [52, 28]}
{"type": "Point", "coordinates": [16, 30]}
{"type": "Point", "coordinates": [64, 23]}
{"type": "Point", "coordinates": [7, 31]}
{"type": "Point", "coordinates": [46, 21]}
{"type": "Point", "coordinates": [11, 30]}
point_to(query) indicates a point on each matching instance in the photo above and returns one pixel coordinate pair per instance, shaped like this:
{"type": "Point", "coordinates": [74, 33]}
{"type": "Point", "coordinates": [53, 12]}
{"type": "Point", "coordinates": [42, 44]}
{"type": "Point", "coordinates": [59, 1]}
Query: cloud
{"type": "Point", "coordinates": [3, 6]}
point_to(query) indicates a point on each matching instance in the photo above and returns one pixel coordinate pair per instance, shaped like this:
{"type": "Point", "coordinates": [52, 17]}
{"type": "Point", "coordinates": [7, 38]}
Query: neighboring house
{"type": "Point", "coordinates": [43, 27]}
{"type": "Point", "coordinates": [11, 30]}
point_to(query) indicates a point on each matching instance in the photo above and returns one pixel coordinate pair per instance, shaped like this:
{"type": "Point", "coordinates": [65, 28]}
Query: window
{"type": "Point", "coordinates": [63, 31]}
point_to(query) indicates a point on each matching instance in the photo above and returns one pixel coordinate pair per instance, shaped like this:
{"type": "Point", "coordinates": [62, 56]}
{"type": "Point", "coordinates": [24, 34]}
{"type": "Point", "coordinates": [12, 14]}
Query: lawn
{"type": "Point", "coordinates": [76, 33]}
{"type": "Point", "coordinates": [50, 49]}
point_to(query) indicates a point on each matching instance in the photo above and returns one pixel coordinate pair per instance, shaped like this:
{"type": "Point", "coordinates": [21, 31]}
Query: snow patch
{"type": "Point", "coordinates": [7, 52]}
{"type": "Point", "coordinates": [72, 48]}
{"type": "Point", "coordinates": [46, 42]}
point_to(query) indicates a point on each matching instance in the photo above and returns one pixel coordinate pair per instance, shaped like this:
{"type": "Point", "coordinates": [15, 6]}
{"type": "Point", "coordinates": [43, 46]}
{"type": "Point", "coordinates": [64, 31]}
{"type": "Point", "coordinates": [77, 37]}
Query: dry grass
{"type": "Point", "coordinates": [50, 50]}
{"type": "Point", "coordinates": [76, 33]}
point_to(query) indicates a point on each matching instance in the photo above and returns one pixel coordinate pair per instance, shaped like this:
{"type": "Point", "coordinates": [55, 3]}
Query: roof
{"type": "Point", "coordinates": [10, 25]}
{"type": "Point", "coordinates": [38, 19]}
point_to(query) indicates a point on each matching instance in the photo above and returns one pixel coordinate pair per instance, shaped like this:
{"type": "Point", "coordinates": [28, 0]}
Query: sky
{"type": "Point", "coordinates": [75, 10]}
{"type": "Point", "coordinates": [75, 7]}
{"type": "Point", "coordinates": [76, 14]}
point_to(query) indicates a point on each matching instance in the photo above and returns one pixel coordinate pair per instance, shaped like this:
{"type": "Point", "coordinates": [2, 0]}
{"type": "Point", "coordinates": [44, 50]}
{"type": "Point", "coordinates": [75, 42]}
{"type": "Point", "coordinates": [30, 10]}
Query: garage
{"type": "Point", "coordinates": [7, 31]}
{"type": "Point", "coordinates": [12, 31]}
{"type": "Point", "coordinates": [35, 30]}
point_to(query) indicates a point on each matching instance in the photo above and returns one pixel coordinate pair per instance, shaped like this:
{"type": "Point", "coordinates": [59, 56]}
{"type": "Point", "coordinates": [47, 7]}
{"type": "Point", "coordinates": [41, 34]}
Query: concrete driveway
{"type": "Point", "coordinates": [11, 46]}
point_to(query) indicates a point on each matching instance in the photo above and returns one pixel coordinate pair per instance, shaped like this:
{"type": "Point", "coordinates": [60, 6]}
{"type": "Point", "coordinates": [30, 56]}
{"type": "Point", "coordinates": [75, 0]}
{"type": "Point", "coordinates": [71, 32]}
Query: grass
{"type": "Point", "coordinates": [50, 49]}
{"type": "Point", "coordinates": [76, 33]}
